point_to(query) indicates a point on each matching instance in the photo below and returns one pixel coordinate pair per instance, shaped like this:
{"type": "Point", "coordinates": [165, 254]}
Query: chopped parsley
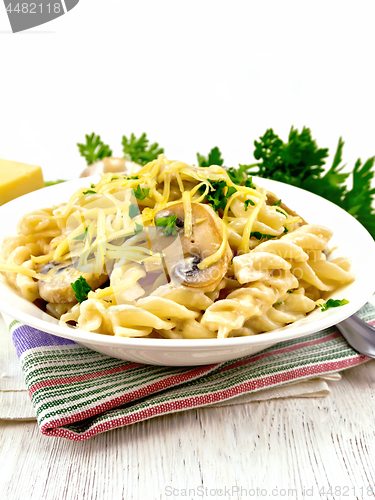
{"type": "Point", "coordinates": [82, 236]}
{"type": "Point", "coordinates": [333, 303]}
{"type": "Point", "coordinates": [140, 193]}
{"type": "Point", "coordinates": [133, 211]}
{"type": "Point", "coordinates": [53, 183]}
{"type": "Point", "coordinates": [138, 229]}
{"type": "Point", "coordinates": [279, 303]}
{"type": "Point", "coordinates": [290, 291]}
{"type": "Point", "coordinates": [247, 203]}
{"type": "Point", "coordinates": [81, 289]}
{"type": "Point", "coordinates": [218, 196]}
{"type": "Point", "coordinates": [167, 223]}
{"type": "Point", "coordinates": [277, 203]}
{"type": "Point", "coordinates": [132, 177]}
{"type": "Point", "coordinates": [261, 236]}
{"type": "Point", "coordinates": [236, 175]}
{"type": "Point", "coordinates": [280, 211]}
{"type": "Point", "coordinates": [249, 182]}
{"type": "Point", "coordinates": [89, 191]}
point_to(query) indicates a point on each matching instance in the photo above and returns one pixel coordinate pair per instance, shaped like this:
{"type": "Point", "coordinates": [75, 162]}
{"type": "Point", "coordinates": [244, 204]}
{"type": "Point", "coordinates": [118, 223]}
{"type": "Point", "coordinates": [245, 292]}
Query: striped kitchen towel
{"type": "Point", "coordinates": [78, 393]}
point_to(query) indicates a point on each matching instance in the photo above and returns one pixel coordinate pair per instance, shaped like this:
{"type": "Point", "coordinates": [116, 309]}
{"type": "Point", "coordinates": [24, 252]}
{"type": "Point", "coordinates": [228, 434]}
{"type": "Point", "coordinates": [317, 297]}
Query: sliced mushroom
{"type": "Point", "coordinates": [59, 276]}
{"type": "Point", "coordinates": [185, 253]}
{"type": "Point", "coordinates": [272, 199]}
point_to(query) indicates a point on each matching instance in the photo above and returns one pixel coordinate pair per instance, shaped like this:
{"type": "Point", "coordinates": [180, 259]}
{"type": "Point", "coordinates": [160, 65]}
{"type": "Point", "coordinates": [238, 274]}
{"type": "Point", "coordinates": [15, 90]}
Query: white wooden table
{"type": "Point", "coordinates": [290, 448]}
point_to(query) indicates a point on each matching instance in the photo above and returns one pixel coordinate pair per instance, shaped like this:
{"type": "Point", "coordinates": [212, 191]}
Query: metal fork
{"type": "Point", "coordinates": [359, 335]}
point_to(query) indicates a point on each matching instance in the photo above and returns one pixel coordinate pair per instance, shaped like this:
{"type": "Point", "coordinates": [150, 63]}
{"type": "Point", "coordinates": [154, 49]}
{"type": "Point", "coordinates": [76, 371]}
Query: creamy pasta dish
{"type": "Point", "coordinates": [173, 251]}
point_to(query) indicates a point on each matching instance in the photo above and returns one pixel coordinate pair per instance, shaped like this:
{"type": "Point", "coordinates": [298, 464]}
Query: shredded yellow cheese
{"type": "Point", "coordinates": [188, 221]}
{"type": "Point", "coordinates": [208, 261]}
{"type": "Point", "coordinates": [245, 244]}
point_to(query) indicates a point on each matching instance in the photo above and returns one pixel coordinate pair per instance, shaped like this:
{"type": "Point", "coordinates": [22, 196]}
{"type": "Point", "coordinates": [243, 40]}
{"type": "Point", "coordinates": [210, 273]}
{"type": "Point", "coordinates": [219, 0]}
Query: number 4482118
{"type": "Point", "coordinates": [33, 8]}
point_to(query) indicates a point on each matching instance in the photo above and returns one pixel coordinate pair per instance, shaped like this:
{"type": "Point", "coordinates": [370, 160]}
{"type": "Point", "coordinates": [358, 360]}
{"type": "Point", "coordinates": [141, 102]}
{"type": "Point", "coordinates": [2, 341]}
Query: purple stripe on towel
{"type": "Point", "coordinates": [25, 338]}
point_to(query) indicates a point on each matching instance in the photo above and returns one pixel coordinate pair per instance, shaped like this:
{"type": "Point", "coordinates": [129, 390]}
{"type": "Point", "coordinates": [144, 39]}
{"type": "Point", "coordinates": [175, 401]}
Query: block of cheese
{"type": "Point", "coordinates": [17, 179]}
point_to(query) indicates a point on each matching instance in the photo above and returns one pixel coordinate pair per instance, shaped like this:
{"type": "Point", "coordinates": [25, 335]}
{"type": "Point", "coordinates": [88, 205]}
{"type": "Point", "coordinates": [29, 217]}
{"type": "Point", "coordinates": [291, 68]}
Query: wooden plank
{"type": "Point", "coordinates": [300, 444]}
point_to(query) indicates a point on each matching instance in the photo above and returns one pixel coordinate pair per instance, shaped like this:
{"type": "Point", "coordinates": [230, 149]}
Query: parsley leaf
{"type": "Point", "coordinates": [249, 183]}
{"type": "Point", "coordinates": [214, 158]}
{"type": "Point", "coordinates": [81, 289]}
{"type": "Point", "coordinates": [333, 303]}
{"type": "Point", "coordinates": [133, 211]}
{"type": "Point", "coordinates": [94, 149]}
{"type": "Point", "coordinates": [52, 183]}
{"type": "Point", "coordinates": [82, 236]}
{"type": "Point", "coordinates": [236, 175]}
{"type": "Point", "coordinates": [139, 151]}
{"type": "Point", "coordinates": [89, 191]}
{"type": "Point", "coordinates": [138, 229]}
{"type": "Point", "coordinates": [140, 193]}
{"type": "Point", "coordinates": [168, 224]}
{"type": "Point", "coordinates": [261, 236]}
{"type": "Point", "coordinates": [247, 203]}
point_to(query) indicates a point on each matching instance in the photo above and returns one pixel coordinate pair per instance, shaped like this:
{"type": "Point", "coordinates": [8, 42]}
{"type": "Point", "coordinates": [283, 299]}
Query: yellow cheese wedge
{"type": "Point", "coordinates": [17, 179]}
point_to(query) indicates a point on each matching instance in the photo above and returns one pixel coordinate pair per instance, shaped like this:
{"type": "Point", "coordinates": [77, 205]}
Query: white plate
{"type": "Point", "coordinates": [351, 237]}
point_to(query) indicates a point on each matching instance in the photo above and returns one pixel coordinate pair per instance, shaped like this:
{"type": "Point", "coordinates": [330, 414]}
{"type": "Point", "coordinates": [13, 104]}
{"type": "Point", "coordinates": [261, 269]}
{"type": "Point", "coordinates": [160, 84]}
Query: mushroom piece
{"type": "Point", "coordinates": [272, 199]}
{"type": "Point", "coordinates": [184, 254]}
{"type": "Point", "coordinates": [57, 286]}
{"type": "Point", "coordinates": [111, 164]}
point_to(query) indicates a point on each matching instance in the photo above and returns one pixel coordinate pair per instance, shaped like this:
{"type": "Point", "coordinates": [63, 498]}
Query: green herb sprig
{"type": "Point", "coordinates": [168, 224]}
{"type": "Point", "coordinates": [247, 203]}
{"type": "Point", "coordinates": [133, 211]}
{"type": "Point", "coordinates": [333, 303]}
{"type": "Point", "coordinates": [261, 236]}
{"type": "Point", "coordinates": [214, 158]}
{"type": "Point", "coordinates": [140, 193]}
{"type": "Point", "coordinates": [81, 289]}
{"type": "Point", "coordinates": [94, 149]}
{"type": "Point", "coordinates": [139, 150]}
{"type": "Point", "coordinates": [82, 236]}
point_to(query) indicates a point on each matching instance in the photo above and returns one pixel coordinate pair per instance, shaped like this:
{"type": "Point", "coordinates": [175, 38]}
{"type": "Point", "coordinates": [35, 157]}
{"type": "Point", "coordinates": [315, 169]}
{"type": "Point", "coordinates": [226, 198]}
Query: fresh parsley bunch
{"type": "Point", "coordinates": [300, 162]}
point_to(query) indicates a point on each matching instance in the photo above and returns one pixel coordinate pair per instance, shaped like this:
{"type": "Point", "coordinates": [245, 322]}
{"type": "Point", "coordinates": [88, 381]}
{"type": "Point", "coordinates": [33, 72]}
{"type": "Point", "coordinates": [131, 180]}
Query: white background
{"type": "Point", "coordinates": [191, 74]}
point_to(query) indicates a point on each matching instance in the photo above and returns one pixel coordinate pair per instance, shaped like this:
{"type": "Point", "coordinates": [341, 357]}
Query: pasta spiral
{"type": "Point", "coordinates": [176, 251]}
